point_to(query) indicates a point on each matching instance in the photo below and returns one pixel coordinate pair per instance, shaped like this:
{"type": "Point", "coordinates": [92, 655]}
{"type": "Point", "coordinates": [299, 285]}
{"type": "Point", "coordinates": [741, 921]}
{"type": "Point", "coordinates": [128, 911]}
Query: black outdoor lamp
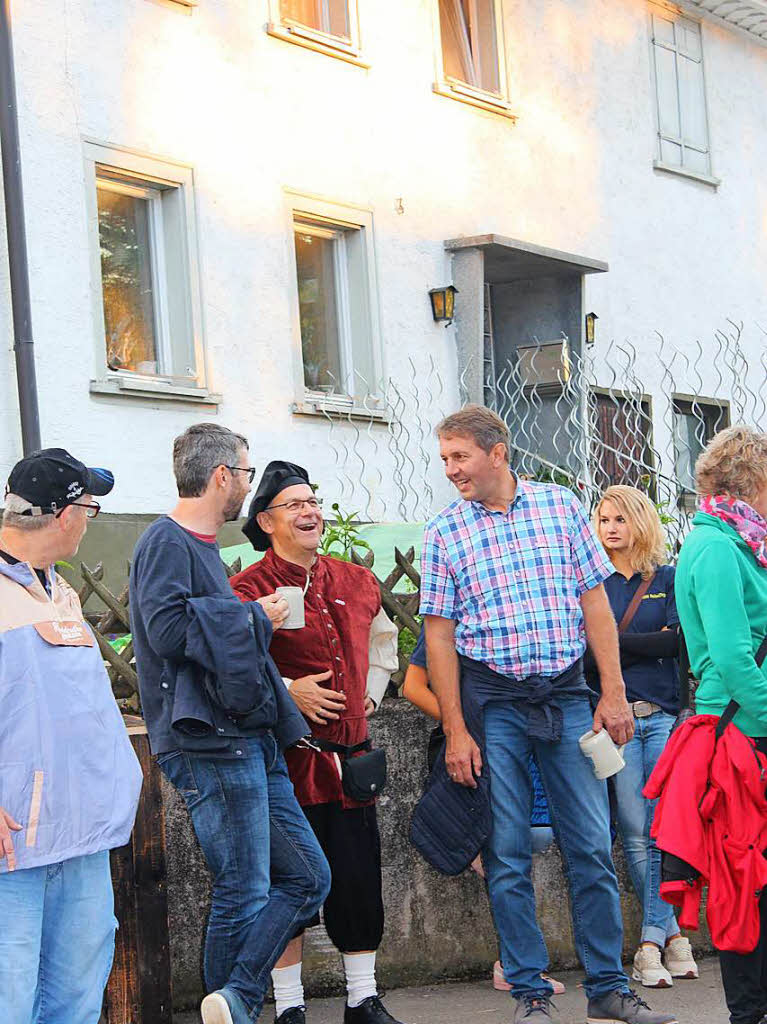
{"type": "Point", "coordinates": [443, 303]}
{"type": "Point", "coordinates": [591, 328]}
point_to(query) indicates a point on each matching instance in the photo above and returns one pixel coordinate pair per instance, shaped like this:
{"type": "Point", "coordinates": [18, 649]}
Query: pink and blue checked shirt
{"type": "Point", "coordinates": [512, 580]}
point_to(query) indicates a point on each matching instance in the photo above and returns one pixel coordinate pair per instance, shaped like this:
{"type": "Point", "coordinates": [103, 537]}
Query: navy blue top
{"type": "Point", "coordinates": [652, 679]}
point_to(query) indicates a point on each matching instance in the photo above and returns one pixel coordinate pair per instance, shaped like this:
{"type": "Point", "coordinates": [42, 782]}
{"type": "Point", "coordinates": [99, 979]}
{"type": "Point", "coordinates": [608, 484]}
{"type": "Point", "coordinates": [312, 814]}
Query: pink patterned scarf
{"type": "Point", "coordinates": [742, 518]}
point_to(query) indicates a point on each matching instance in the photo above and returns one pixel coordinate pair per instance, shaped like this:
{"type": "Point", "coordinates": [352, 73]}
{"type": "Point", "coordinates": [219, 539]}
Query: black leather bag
{"type": "Point", "coordinates": [363, 778]}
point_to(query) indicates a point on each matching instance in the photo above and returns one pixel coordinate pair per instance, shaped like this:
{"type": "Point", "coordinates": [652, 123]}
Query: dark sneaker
{"type": "Point", "coordinates": [624, 1008]}
{"type": "Point", "coordinates": [370, 1011]}
{"type": "Point", "coordinates": [535, 1009]}
{"type": "Point", "coordinates": [293, 1015]}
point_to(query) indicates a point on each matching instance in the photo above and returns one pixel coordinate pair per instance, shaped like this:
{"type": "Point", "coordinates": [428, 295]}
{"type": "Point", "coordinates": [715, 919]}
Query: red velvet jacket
{"type": "Point", "coordinates": [341, 602]}
{"type": "Point", "coordinates": [712, 813]}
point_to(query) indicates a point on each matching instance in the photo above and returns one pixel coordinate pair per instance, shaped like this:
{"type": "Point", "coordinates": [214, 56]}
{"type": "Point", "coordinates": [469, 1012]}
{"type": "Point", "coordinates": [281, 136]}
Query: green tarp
{"type": "Point", "coordinates": [382, 537]}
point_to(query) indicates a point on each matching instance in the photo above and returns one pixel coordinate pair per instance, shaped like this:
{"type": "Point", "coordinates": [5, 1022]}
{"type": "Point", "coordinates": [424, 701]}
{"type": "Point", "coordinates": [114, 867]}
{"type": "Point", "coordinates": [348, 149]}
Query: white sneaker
{"type": "Point", "coordinates": [679, 960]}
{"type": "Point", "coordinates": [648, 969]}
{"type": "Point", "coordinates": [215, 1009]}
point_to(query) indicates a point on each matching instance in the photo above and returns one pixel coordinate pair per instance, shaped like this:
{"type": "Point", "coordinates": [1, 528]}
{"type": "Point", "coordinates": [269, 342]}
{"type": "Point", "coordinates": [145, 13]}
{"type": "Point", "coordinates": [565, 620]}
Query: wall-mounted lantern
{"type": "Point", "coordinates": [443, 304]}
{"type": "Point", "coordinates": [591, 328]}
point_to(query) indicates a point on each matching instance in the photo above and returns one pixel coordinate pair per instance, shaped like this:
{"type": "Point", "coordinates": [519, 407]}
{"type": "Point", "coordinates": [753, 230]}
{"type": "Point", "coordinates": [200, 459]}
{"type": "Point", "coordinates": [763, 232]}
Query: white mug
{"type": "Point", "coordinates": [295, 598]}
{"type": "Point", "coordinates": [606, 759]}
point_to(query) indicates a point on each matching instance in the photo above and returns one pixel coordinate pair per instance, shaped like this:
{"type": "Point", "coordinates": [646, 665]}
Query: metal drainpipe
{"type": "Point", "coordinates": [23, 345]}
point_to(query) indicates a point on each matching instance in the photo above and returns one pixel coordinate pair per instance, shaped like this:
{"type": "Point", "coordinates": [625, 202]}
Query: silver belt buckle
{"type": "Point", "coordinates": [642, 708]}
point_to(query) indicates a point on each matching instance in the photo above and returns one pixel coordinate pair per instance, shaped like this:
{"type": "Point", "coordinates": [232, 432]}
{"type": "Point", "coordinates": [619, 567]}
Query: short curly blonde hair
{"type": "Point", "coordinates": [733, 462]}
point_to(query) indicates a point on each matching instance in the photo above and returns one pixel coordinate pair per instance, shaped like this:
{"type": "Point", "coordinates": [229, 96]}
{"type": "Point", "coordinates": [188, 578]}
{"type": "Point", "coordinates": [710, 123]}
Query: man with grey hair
{"type": "Point", "coordinates": [69, 780]}
{"type": "Point", "coordinates": [218, 717]}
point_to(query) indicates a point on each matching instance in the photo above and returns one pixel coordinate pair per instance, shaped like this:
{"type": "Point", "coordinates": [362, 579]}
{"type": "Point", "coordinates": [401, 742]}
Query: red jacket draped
{"type": "Point", "coordinates": [712, 813]}
{"type": "Point", "coordinates": [340, 604]}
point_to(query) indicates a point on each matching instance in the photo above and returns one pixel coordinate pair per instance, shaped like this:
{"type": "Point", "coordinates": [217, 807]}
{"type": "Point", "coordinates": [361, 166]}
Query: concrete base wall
{"type": "Point", "coordinates": [436, 927]}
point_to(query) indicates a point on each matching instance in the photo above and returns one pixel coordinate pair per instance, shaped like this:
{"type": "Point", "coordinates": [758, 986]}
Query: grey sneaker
{"type": "Point", "coordinates": [535, 1009]}
{"type": "Point", "coordinates": [624, 1008]}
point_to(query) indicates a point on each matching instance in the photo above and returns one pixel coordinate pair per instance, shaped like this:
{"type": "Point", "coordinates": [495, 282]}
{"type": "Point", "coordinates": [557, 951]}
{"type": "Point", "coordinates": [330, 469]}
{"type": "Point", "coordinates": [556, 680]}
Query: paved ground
{"type": "Point", "coordinates": [694, 1002]}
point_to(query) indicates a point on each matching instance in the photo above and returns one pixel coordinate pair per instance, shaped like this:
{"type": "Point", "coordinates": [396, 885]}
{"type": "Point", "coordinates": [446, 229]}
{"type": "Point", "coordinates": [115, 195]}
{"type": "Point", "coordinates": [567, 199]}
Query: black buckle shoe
{"type": "Point", "coordinates": [370, 1011]}
{"type": "Point", "coordinates": [293, 1015]}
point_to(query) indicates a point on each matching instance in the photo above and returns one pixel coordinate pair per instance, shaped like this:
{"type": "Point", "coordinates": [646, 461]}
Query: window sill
{"type": "Point", "coordinates": [331, 49]}
{"type": "Point", "coordinates": [144, 388]}
{"type": "Point", "coordinates": [483, 100]}
{"type": "Point", "coordinates": [682, 172]}
{"type": "Point", "coordinates": [311, 406]}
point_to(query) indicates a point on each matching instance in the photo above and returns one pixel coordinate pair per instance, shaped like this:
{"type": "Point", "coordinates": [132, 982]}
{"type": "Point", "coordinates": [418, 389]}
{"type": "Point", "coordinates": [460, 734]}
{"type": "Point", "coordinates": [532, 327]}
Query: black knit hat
{"type": "Point", "coordinates": [276, 477]}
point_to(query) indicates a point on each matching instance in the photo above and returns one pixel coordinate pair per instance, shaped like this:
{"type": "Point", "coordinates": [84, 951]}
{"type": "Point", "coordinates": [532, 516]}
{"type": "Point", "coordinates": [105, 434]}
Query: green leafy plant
{"type": "Point", "coordinates": [341, 536]}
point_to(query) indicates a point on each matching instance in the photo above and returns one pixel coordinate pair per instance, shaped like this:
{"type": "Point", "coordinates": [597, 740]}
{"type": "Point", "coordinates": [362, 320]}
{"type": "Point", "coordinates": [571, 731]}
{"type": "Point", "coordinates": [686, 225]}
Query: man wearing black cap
{"type": "Point", "coordinates": [69, 780]}
{"type": "Point", "coordinates": [218, 717]}
{"type": "Point", "coordinates": [327, 666]}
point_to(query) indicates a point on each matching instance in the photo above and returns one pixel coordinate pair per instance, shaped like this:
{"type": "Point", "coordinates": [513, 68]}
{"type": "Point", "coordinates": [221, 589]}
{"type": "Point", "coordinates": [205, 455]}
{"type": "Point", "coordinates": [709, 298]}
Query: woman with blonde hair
{"type": "Point", "coordinates": [641, 594]}
{"type": "Point", "coordinates": [722, 593]}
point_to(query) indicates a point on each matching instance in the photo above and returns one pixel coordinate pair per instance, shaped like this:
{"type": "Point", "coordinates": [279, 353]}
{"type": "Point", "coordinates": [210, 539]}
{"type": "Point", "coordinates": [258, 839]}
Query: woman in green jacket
{"type": "Point", "coordinates": [721, 596]}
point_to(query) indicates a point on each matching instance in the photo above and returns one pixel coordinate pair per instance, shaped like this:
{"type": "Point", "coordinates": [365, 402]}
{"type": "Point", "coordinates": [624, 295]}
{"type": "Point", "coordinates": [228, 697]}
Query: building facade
{"type": "Point", "coordinates": [236, 210]}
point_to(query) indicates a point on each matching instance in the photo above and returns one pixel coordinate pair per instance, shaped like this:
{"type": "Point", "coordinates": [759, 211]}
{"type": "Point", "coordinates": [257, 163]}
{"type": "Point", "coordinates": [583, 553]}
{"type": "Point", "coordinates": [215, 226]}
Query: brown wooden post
{"type": "Point", "coordinates": [139, 987]}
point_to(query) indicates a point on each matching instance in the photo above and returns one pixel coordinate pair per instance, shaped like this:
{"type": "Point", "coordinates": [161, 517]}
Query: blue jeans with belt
{"type": "Point", "coordinates": [635, 815]}
{"type": "Point", "coordinates": [580, 815]}
{"type": "Point", "coordinates": [269, 873]}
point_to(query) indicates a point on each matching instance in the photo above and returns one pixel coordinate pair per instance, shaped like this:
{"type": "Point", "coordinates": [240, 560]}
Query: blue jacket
{"type": "Point", "coordinates": [228, 685]}
{"type": "Point", "coordinates": [68, 773]}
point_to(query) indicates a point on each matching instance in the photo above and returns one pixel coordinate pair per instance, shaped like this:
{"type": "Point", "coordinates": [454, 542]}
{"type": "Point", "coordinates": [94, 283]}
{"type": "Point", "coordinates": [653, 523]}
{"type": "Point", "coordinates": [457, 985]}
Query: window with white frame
{"type": "Point", "coordinates": [471, 53]}
{"type": "Point", "coordinates": [682, 117]}
{"type": "Point", "coordinates": [695, 423]}
{"type": "Point", "coordinates": [328, 16]}
{"type": "Point", "coordinates": [330, 26]}
{"type": "Point", "coordinates": [336, 300]}
{"type": "Point", "coordinates": [147, 310]}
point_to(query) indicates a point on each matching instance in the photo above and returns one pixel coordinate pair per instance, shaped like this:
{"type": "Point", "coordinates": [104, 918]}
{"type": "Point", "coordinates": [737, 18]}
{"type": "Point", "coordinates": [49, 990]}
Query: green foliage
{"type": "Point", "coordinates": [545, 475]}
{"type": "Point", "coordinates": [341, 536]}
{"type": "Point", "coordinates": [406, 642]}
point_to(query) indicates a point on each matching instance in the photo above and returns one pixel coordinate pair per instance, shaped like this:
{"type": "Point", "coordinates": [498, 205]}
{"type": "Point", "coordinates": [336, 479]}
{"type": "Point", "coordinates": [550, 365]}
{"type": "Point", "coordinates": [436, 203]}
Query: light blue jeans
{"type": "Point", "coordinates": [635, 815]}
{"type": "Point", "coordinates": [57, 937]}
{"type": "Point", "coordinates": [580, 814]}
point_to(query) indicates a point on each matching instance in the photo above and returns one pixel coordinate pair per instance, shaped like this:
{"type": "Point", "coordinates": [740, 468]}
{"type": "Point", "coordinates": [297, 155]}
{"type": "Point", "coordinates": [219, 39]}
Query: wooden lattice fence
{"type": "Point", "coordinates": [107, 612]}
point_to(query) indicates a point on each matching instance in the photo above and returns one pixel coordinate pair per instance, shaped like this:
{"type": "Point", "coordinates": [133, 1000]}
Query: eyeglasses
{"type": "Point", "coordinates": [93, 508]}
{"type": "Point", "coordinates": [251, 471]}
{"type": "Point", "coordinates": [297, 504]}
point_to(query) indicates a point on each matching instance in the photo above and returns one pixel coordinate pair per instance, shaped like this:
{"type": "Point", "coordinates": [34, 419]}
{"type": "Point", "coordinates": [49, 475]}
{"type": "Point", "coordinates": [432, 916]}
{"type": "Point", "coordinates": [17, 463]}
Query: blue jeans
{"type": "Point", "coordinates": [634, 820]}
{"type": "Point", "coordinates": [57, 940]}
{"type": "Point", "coordinates": [581, 818]}
{"type": "Point", "coordinates": [269, 874]}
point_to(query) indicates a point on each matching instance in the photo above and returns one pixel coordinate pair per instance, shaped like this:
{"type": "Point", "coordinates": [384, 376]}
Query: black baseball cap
{"type": "Point", "coordinates": [51, 479]}
{"type": "Point", "coordinates": [276, 477]}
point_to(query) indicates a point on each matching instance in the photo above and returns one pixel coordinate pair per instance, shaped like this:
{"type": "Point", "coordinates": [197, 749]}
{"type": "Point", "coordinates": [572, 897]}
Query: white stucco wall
{"type": "Point", "coordinates": [253, 115]}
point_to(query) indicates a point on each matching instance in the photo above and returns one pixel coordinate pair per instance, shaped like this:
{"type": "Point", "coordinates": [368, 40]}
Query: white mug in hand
{"type": "Point", "coordinates": [606, 759]}
{"type": "Point", "coordinates": [295, 598]}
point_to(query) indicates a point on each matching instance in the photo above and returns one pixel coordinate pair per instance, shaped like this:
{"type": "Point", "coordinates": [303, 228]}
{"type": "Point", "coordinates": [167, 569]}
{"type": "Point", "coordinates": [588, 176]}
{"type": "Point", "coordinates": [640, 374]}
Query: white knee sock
{"type": "Point", "coordinates": [288, 990]}
{"type": "Point", "coordinates": [360, 971]}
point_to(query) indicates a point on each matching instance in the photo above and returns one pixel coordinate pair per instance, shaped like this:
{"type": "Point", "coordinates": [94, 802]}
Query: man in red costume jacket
{"type": "Point", "coordinates": [325, 664]}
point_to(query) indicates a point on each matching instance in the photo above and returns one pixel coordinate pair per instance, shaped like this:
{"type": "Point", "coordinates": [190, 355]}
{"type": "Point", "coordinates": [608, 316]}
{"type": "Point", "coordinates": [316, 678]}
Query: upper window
{"type": "Point", "coordinates": [682, 117]}
{"type": "Point", "coordinates": [472, 60]}
{"type": "Point", "coordinates": [335, 287]}
{"type": "Point", "coordinates": [328, 16]}
{"type": "Point", "coordinates": [147, 311]}
{"type": "Point", "coordinates": [330, 26]}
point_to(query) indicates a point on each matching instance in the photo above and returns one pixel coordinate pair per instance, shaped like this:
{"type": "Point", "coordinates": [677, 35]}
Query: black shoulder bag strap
{"type": "Point", "coordinates": [733, 707]}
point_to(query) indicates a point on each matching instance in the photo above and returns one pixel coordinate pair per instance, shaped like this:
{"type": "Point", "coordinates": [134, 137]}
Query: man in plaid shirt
{"type": "Point", "coordinates": [511, 587]}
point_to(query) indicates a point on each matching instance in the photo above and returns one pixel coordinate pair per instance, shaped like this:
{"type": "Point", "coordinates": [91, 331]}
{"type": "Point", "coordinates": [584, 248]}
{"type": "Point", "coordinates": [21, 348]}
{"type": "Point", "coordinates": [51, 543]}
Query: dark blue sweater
{"type": "Point", "coordinates": [179, 692]}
